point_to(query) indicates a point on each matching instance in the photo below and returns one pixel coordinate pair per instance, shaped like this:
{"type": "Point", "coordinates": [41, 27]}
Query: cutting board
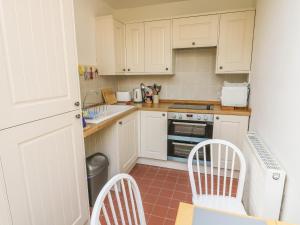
{"type": "Point", "coordinates": [109, 96]}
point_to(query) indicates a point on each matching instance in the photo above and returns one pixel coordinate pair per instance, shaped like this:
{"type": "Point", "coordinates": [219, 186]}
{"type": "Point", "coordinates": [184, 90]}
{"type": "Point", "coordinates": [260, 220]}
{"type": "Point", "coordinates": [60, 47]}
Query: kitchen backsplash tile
{"type": "Point", "coordinates": [194, 77]}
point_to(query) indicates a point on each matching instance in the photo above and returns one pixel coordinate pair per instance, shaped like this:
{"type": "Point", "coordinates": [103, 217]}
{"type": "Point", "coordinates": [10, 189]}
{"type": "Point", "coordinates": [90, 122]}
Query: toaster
{"type": "Point", "coordinates": [235, 94]}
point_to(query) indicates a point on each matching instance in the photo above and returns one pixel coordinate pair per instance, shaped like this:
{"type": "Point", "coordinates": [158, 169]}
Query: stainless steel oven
{"type": "Point", "coordinates": [185, 130]}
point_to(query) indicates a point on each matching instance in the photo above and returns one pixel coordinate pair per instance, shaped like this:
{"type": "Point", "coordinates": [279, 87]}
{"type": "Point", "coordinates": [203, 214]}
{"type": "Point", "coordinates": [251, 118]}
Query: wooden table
{"type": "Point", "coordinates": [186, 211]}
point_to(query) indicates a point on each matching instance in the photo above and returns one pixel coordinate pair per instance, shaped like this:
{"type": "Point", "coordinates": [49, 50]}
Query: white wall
{"type": "Point", "coordinates": [180, 8]}
{"type": "Point", "coordinates": [275, 94]}
{"type": "Point", "coordinates": [85, 13]}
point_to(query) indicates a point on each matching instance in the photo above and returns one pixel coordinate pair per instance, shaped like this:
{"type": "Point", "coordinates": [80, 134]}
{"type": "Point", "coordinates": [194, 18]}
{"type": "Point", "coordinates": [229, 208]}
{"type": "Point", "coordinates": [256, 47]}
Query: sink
{"type": "Point", "coordinates": [101, 113]}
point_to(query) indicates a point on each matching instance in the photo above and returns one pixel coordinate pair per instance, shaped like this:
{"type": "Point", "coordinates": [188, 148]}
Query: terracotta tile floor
{"type": "Point", "coordinates": [162, 189]}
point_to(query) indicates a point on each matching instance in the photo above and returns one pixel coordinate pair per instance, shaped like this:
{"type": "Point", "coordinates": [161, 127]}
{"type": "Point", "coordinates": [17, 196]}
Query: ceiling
{"type": "Point", "coordinates": [122, 4]}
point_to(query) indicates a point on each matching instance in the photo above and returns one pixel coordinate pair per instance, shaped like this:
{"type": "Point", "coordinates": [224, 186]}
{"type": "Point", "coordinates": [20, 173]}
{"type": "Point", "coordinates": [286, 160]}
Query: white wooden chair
{"type": "Point", "coordinates": [227, 164]}
{"type": "Point", "coordinates": [119, 202]}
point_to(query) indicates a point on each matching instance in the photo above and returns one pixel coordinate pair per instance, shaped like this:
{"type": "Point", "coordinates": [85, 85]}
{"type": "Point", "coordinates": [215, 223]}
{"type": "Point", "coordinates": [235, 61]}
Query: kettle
{"type": "Point", "coordinates": [137, 95]}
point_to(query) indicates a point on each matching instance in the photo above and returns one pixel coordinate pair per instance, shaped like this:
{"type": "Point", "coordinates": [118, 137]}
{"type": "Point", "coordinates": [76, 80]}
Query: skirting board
{"type": "Point", "coordinates": [174, 165]}
{"type": "Point", "coordinates": [162, 163]}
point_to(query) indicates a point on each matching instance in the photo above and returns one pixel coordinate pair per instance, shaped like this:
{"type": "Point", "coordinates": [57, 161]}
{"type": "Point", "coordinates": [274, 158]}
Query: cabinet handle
{"type": "Point", "coordinates": [124, 70]}
{"type": "Point", "coordinates": [128, 70]}
{"type": "Point", "coordinates": [167, 69]}
{"type": "Point", "coordinates": [217, 118]}
{"type": "Point", "coordinates": [120, 122]}
{"type": "Point", "coordinates": [163, 114]}
{"type": "Point", "coordinates": [78, 116]}
{"type": "Point", "coordinates": [221, 67]}
{"type": "Point", "coordinates": [77, 104]}
{"type": "Point", "coordinates": [193, 43]}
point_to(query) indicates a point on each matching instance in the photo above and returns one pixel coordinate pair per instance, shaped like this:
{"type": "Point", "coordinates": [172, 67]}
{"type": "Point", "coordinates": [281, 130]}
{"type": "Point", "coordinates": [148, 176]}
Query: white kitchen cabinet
{"type": "Point", "coordinates": [154, 129]}
{"type": "Point", "coordinates": [158, 50]}
{"type": "Point", "coordinates": [194, 32]}
{"type": "Point", "coordinates": [38, 61]}
{"type": "Point", "coordinates": [234, 50]}
{"type": "Point", "coordinates": [43, 165]}
{"type": "Point", "coordinates": [231, 128]}
{"type": "Point", "coordinates": [135, 48]}
{"type": "Point", "coordinates": [110, 46]}
{"type": "Point", "coordinates": [128, 129]}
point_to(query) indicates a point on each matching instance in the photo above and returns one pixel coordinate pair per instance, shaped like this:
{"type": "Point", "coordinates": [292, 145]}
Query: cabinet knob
{"type": "Point", "coordinates": [78, 116]}
{"type": "Point", "coordinates": [167, 69]}
{"type": "Point", "coordinates": [163, 114]}
{"type": "Point", "coordinates": [217, 118]}
{"type": "Point", "coordinates": [193, 43]}
{"type": "Point", "coordinates": [77, 104]}
{"type": "Point", "coordinates": [120, 122]}
{"type": "Point", "coordinates": [124, 70]}
{"type": "Point", "coordinates": [221, 67]}
{"type": "Point", "coordinates": [128, 70]}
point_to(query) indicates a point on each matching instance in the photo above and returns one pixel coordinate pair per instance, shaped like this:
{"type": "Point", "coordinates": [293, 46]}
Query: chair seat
{"type": "Point", "coordinates": [221, 203]}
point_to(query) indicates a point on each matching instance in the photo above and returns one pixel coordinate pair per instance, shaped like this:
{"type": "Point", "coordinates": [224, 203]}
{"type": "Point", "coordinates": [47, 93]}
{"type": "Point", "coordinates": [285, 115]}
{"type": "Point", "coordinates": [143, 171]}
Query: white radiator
{"type": "Point", "coordinates": [265, 179]}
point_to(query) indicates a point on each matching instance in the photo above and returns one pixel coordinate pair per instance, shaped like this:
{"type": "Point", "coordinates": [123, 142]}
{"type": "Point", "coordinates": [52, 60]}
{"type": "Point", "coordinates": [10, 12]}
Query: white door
{"type": "Point", "coordinates": [232, 129]}
{"type": "Point", "coordinates": [158, 50]}
{"type": "Point", "coordinates": [119, 35]}
{"type": "Point", "coordinates": [43, 163]}
{"type": "Point", "coordinates": [5, 216]}
{"type": "Point", "coordinates": [193, 32]}
{"type": "Point", "coordinates": [38, 60]}
{"type": "Point", "coordinates": [135, 49]}
{"type": "Point", "coordinates": [154, 129]}
{"type": "Point", "coordinates": [235, 42]}
{"type": "Point", "coordinates": [128, 142]}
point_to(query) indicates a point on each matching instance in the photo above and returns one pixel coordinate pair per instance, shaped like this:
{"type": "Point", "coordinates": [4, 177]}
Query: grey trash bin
{"type": "Point", "coordinates": [97, 172]}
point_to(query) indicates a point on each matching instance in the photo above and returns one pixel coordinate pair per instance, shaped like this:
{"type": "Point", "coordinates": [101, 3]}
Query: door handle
{"type": "Point", "coordinates": [78, 116]}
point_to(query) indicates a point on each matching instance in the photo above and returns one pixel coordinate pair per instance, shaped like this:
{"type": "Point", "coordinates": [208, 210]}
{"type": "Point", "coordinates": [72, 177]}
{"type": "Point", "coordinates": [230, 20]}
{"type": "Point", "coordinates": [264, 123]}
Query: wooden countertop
{"type": "Point", "coordinates": [93, 128]}
{"type": "Point", "coordinates": [218, 109]}
{"type": "Point", "coordinates": [164, 107]}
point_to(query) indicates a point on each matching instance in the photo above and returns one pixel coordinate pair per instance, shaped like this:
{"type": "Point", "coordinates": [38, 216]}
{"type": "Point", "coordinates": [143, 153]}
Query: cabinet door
{"type": "Point", "coordinates": [5, 216]}
{"type": "Point", "coordinates": [135, 49]}
{"type": "Point", "coordinates": [38, 60]}
{"type": "Point", "coordinates": [44, 170]}
{"type": "Point", "coordinates": [235, 42]}
{"type": "Point", "coordinates": [119, 35]}
{"type": "Point", "coordinates": [193, 32]}
{"type": "Point", "coordinates": [232, 129]}
{"type": "Point", "coordinates": [158, 51]}
{"type": "Point", "coordinates": [154, 135]}
{"type": "Point", "coordinates": [128, 142]}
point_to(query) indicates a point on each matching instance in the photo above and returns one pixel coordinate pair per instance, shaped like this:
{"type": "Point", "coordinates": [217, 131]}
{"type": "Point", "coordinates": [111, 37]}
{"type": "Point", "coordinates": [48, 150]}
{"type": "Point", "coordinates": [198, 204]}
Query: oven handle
{"type": "Point", "coordinates": [193, 124]}
{"type": "Point", "coordinates": [184, 144]}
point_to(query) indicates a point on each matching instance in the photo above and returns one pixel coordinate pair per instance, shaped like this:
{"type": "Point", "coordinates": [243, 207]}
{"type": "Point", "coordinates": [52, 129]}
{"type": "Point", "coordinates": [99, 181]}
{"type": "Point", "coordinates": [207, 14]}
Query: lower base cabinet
{"type": "Point", "coordinates": [43, 167]}
{"type": "Point", "coordinates": [128, 142]}
{"type": "Point", "coordinates": [233, 129]}
{"type": "Point", "coordinates": [154, 138]}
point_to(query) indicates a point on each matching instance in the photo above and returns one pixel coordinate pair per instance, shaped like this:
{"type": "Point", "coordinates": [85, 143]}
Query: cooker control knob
{"type": "Point", "coordinates": [205, 117]}
{"type": "Point", "coordinates": [180, 117]}
{"type": "Point", "coordinates": [174, 116]}
{"type": "Point", "coordinates": [199, 117]}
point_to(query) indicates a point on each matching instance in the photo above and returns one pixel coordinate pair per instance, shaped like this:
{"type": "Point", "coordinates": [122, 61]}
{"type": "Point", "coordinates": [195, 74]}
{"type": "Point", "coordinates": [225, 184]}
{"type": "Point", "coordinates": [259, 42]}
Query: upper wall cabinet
{"type": "Point", "coordinates": [38, 61]}
{"type": "Point", "coordinates": [158, 57]}
{"type": "Point", "coordinates": [192, 32]}
{"type": "Point", "coordinates": [235, 42]}
{"type": "Point", "coordinates": [135, 48]}
{"type": "Point", "coordinates": [110, 39]}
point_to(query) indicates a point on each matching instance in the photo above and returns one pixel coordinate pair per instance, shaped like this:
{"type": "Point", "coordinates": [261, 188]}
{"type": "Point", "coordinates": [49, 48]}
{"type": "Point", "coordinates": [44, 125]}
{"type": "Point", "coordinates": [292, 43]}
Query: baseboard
{"type": "Point", "coordinates": [163, 163]}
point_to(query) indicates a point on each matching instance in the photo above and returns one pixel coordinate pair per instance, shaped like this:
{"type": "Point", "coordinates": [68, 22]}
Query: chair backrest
{"type": "Point", "coordinates": [119, 202]}
{"type": "Point", "coordinates": [217, 167]}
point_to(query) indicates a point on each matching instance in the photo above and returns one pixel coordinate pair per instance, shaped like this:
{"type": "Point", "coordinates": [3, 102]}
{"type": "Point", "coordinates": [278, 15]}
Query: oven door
{"type": "Point", "coordinates": [180, 149]}
{"type": "Point", "coordinates": [190, 128]}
